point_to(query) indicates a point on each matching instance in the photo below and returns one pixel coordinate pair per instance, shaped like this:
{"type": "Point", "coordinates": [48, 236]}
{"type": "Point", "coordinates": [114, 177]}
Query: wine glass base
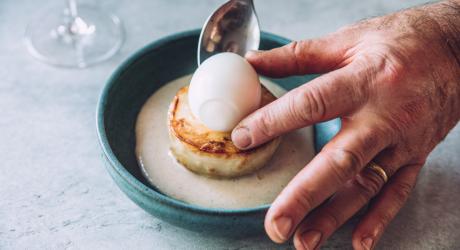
{"type": "Point", "coordinates": [58, 39]}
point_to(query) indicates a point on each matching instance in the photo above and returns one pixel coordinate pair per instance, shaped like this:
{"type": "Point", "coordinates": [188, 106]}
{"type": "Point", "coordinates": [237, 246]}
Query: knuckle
{"type": "Point", "coordinates": [389, 63]}
{"type": "Point", "coordinates": [299, 51]}
{"type": "Point", "coordinates": [308, 105]}
{"type": "Point", "coordinates": [369, 184]}
{"type": "Point", "coordinates": [392, 71]}
{"type": "Point", "coordinates": [265, 123]}
{"type": "Point", "coordinates": [365, 68]}
{"type": "Point", "coordinates": [344, 163]}
{"type": "Point", "coordinates": [294, 50]}
{"type": "Point", "coordinates": [372, 139]}
{"type": "Point", "coordinates": [383, 219]}
{"type": "Point", "coordinates": [302, 49]}
{"type": "Point", "coordinates": [333, 218]}
{"type": "Point", "coordinates": [401, 191]}
{"type": "Point", "coordinates": [304, 199]}
{"type": "Point", "coordinates": [382, 65]}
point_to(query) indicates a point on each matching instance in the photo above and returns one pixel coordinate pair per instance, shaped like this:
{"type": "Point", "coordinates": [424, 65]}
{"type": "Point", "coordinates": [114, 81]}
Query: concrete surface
{"type": "Point", "coordinates": [54, 190]}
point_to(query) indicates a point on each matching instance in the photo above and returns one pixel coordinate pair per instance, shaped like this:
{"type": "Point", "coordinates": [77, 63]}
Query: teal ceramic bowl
{"type": "Point", "coordinates": [120, 102]}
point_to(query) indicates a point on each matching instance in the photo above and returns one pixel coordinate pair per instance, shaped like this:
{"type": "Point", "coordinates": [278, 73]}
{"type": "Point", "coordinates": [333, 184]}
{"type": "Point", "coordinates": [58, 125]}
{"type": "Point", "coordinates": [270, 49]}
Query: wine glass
{"type": "Point", "coordinates": [76, 36]}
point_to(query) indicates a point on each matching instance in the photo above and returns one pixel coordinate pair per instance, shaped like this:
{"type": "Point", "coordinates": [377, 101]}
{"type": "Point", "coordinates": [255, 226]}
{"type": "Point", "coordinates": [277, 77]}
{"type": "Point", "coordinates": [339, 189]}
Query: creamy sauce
{"type": "Point", "coordinates": [174, 180]}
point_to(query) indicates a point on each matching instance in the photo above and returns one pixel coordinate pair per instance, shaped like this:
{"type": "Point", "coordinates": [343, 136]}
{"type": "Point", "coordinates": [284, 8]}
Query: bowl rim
{"type": "Point", "coordinates": [118, 167]}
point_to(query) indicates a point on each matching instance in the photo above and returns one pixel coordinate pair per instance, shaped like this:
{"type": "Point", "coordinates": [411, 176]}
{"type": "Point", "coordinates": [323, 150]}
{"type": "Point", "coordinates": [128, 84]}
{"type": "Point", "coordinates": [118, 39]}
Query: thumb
{"type": "Point", "coordinates": [302, 57]}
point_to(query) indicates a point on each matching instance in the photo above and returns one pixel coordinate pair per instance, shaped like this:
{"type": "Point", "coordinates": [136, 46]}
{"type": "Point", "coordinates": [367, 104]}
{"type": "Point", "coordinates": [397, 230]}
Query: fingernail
{"type": "Point", "coordinates": [241, 137]}
{"type": "Point", "coordinates": [251, 53]}
{"type": "Point", "coordinates": [283, 227]}
{"type": "Point", "coordinates": [310, 239]}
{"type": "Point", "coordinates": [367, 243]}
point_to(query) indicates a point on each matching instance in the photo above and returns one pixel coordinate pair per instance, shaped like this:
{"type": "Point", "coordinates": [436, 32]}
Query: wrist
{"type": "Point", "coordinates": [446, 15]}
{"type": "Point", "coordinates": [453, 38]}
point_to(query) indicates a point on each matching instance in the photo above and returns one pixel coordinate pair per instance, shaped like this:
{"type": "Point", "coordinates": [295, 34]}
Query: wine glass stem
{"type": "Point", "coordinates": [75, 25]}
{"type": "Point", "coordinates": [72, 6]}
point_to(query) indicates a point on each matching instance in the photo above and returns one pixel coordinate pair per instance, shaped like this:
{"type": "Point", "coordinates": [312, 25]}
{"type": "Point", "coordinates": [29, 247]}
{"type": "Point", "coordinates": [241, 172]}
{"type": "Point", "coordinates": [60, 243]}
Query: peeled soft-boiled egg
{"type": "Point", "coordinates": [224, 89]}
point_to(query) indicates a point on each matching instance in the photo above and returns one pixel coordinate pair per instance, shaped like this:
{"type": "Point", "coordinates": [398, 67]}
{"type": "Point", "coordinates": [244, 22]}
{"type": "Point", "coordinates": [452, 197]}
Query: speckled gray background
{"type": "Point", "coordinates": [54, 190]}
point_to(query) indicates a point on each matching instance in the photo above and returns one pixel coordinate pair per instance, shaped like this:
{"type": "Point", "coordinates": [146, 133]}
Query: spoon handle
{"type": "Point", "coordinates": [250, 2]}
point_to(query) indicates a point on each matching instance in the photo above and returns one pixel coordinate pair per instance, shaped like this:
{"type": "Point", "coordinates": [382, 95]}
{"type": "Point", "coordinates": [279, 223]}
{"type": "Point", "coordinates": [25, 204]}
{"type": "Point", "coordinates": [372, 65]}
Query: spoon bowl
{"type": "Point", "coordinates": [233, 27]}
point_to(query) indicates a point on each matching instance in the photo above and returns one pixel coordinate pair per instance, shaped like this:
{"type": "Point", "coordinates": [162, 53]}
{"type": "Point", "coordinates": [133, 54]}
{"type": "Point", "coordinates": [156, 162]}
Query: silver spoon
{"type": "Point", "coordinates": [233, 27]}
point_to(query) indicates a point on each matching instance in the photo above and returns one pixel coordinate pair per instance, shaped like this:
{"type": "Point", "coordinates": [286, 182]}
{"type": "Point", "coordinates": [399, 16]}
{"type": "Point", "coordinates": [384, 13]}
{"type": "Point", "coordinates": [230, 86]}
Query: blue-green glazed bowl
{"type": "Point", "coordinates": [120, 102]}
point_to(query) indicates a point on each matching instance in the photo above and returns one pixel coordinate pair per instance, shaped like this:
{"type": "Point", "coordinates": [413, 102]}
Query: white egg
{"type": "Point", "coordinates": [223, 90]}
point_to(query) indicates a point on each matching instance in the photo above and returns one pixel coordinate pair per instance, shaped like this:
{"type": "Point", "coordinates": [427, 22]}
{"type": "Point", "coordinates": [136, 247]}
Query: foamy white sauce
{"type": "Point", "coordinates": [174, 180]}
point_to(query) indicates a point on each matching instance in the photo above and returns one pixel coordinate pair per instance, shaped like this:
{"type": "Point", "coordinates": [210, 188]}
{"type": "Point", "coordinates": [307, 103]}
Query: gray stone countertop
{"type": "Point", "coordinates": [54, 190]}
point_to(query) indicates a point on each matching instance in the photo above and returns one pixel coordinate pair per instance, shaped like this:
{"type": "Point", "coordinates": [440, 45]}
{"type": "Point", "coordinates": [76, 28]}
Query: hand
{"type": "Point", "coordinates": [395, 83]}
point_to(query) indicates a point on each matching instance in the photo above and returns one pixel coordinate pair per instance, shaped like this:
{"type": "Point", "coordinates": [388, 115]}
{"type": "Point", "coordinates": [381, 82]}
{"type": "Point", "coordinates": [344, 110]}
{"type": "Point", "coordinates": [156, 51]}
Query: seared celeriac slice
{"type": "Point", "coordinates": [212, 153]}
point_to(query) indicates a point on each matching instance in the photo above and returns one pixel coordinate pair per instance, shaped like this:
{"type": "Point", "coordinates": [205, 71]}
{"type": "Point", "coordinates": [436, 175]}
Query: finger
{"type": "Point", "coordinates": [385, 207]}
{"type": "Point", "coordinates": [339, 161]}
{"type": "Point", "coordinates": [324, 98]}
{"type": "Point", "coordinates": [318, 226]}
{"type": "Point", "coordinates": [303, 57]}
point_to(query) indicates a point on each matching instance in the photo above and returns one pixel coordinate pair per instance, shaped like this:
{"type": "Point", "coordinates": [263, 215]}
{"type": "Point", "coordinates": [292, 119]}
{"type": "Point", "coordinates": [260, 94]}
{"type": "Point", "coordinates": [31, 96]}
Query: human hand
{"type": "Point", "coordinates": [395, 83]}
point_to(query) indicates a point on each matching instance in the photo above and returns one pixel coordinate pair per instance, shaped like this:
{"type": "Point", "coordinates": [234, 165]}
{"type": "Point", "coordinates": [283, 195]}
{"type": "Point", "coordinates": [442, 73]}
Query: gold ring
{"type": "Point", "coordinates": [378, 170]}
